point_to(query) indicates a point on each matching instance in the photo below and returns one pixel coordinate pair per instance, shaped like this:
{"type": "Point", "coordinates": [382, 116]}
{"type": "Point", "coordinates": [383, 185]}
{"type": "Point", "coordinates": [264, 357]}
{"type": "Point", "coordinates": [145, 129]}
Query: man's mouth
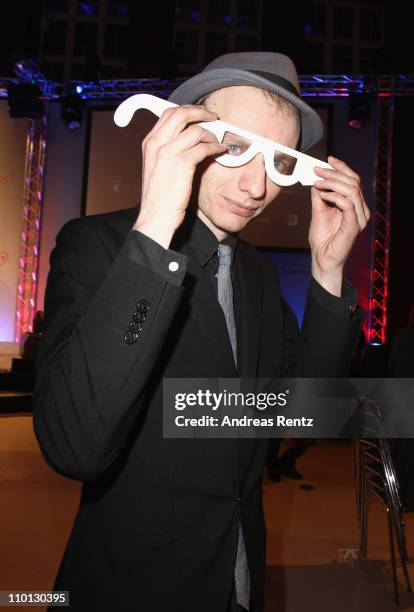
{"type": "Point", "coordinates": [238, 209]}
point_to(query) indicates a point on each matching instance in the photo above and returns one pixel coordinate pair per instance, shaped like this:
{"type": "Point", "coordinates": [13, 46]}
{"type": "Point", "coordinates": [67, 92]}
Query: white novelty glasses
{"type": "Point", "coordinates": [284, 166]}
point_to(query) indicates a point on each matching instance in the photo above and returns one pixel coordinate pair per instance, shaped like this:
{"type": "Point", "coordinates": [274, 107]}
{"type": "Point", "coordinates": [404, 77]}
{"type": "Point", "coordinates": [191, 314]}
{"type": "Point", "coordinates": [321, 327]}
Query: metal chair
{"type": "Point", "coordinates": [376, 475]}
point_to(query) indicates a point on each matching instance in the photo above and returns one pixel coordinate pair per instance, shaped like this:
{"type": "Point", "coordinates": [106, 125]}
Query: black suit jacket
{"type": "Point", "coordinates": [157, 525]}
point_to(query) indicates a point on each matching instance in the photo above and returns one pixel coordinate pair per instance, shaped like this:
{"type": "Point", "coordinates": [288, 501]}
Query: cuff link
{"type": "Point", "coordinates": [173, 266]}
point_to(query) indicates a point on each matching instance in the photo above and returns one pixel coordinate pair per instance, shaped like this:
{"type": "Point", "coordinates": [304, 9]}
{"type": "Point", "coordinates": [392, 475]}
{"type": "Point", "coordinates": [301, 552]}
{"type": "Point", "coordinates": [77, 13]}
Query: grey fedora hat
{"type": "Point", "coordinates": [267, 70]}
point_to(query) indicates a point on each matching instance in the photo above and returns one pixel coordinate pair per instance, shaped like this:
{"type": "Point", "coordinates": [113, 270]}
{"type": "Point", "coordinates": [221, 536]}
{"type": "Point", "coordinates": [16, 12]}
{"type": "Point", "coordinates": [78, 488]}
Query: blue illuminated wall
{"type": "Point", "coordinates": [294, 272]}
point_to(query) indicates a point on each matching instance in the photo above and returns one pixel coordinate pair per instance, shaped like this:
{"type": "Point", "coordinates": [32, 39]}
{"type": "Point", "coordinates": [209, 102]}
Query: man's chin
{"type": "Point", "coordinates": [232, 225]}
{"type": "Point", "coordinates": [237, 222]}
{"type": "Point", "coordinates": [227, 223]}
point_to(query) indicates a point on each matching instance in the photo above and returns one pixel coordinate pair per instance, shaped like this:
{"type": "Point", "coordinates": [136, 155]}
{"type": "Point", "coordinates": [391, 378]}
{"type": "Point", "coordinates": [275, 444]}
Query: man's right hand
{"type": "Point", "coordinates": [170, 154]}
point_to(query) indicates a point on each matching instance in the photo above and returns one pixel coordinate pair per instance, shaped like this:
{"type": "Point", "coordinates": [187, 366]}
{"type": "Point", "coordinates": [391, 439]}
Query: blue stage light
{"type": "Point", "coordinates": [87, 8]}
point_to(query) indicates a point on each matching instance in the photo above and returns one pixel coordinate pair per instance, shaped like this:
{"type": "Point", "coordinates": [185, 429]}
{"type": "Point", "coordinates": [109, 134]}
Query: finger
{"type": "Point", "coordinates": [347, 188]}
{"type": "Point", "coordinates": [176, 145]}
{"type": "Point", "coordinates": [351, 192]}
{"type": "Point", "coordinates": [364, 208]}
{"type": "Point", "coordinates": [172, 112]}
{"type": "Point", "coordinates": [341, 166]}
{"type": "Point", "coordinates": [350, 218]}
{"type": "Point", "coordinates": [187, 146]}
{"type": "Point", "coordinates": [362, 222]}
{"type": "Point", "coordinates": [367, 211]}
{"type": "Point", "coordinates": [200, 151]}
{"type": "Point", "coordinates": [190, 137]}
{"type": "Point", "coordinates": [351, 179]}
{"type": "Point", "coordinates": [326, 173]}
{"type": "Point", "coordinates": [174, 120]}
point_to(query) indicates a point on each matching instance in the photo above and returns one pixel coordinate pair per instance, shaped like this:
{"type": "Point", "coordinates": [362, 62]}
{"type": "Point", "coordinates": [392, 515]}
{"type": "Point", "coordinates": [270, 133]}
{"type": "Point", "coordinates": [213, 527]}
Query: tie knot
{"type": "Point", "coordinates": [225, 253]}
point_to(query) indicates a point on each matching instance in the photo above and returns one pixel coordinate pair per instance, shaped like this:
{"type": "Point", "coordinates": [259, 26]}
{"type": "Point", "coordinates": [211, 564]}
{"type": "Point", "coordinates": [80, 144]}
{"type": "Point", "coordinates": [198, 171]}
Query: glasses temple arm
{"type": "Point", "coordinates": [127, 108]}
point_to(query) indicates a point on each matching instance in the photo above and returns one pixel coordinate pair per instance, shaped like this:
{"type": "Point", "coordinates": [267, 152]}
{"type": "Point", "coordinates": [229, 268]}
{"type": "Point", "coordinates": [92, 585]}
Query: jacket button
{"type": "Point", "coordinates": [143, 306]}
{"type": "Point", "coordinates": [135, 327]}
{"type": "Point", "coordinates": [139, 317]}
{"type": "Point", "coordinates": [130, 337]}
{"type": "Point", "coordinates": [352, 310]}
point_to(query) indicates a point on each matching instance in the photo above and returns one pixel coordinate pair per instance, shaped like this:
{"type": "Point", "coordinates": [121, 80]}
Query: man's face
{"type": "Point", "coordinates": [228, 198]}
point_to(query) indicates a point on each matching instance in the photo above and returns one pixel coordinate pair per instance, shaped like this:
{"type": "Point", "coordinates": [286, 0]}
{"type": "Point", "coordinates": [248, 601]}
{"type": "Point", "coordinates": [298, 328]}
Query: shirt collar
{"type": "Point", "coordinates": [202, 240]}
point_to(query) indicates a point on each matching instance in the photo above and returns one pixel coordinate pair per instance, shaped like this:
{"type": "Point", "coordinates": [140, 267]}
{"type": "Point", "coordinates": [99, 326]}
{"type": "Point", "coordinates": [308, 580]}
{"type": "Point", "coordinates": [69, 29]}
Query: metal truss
{"type": "Point", "coordinates": [30, 234]}
{"type": "Point", "coordinates": [27, 71]}
{"type": "Point", "coordinates": [343, 85]}
{"type": "Point", "coordinates": [378, 303]}
{"type": "Point", "coordinates": [386, 87]}
{"type": "Point", "coordinates": [311, 85]}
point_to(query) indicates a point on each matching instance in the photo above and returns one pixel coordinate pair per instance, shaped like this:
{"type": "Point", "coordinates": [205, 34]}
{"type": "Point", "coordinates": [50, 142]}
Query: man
{"type": "Point", "coordinates": [137, 295]}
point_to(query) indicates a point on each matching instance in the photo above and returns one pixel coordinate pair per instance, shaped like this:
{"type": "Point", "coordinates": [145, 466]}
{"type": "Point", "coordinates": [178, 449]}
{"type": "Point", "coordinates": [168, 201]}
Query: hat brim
{"type": "Point", "coordinates": [210, 80]}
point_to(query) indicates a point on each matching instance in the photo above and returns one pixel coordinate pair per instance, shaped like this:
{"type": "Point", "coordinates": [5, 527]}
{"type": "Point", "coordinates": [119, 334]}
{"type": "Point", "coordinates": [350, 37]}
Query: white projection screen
{"type": "Point", "coordinates": [114, 180]}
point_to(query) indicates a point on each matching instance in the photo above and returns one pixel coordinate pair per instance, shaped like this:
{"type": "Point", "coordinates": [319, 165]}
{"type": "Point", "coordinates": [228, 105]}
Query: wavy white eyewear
{"type": "Point", "coordinates": [284, 166]}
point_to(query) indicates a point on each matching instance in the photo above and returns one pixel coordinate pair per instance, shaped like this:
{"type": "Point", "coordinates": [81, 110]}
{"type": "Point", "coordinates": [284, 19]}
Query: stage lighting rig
{"type": "Point", "coordinates": [71, 110]}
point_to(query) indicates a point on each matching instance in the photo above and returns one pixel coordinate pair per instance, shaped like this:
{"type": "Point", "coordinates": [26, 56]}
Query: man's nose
{"type": "Point", "coordinates": [253, 177]}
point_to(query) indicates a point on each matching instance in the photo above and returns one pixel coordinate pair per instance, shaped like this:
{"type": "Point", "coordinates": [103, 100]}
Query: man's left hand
{"type": "Point", "coordinates": [339, 214]}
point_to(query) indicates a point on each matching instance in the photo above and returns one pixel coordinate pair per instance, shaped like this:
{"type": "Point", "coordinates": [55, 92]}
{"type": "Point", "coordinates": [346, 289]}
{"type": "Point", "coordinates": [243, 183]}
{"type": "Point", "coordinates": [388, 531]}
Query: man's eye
{"type": "Point", "coordinates": [284, 164]}
{"type": "Point", "coordinates": [281, 166]}
{"type": "Point", "coordinates": [235, 146]}
{"type": "Point", "coordinates": [234, 149]}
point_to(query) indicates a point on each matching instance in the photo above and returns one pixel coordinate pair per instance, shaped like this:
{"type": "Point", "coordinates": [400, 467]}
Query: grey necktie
{"type": "Point", "coordinates": [225, 293]}
{"type": "Point", "coordinates": [225, 297]}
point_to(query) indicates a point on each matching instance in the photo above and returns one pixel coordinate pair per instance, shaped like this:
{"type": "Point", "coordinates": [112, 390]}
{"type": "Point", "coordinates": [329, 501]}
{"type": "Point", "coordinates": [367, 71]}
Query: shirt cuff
{"type": "Point", "coordinates": [345, 306]}
{"type": "Point", "coordinates": [167, 263]}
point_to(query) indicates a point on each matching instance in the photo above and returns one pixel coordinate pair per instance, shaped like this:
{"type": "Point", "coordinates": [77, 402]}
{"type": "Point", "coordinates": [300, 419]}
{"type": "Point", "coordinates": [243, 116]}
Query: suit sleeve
{"type": "Point", "coordinates": [324, 345]}
{"type": "Point", "coordinates": [90, 375]}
